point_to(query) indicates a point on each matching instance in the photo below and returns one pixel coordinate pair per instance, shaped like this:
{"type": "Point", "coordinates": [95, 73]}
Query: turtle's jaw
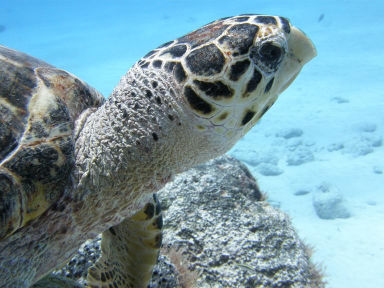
{"type": "Point", "coordinates": [301, 51]}
{"type": "Point", "coordinates": [301, 46]}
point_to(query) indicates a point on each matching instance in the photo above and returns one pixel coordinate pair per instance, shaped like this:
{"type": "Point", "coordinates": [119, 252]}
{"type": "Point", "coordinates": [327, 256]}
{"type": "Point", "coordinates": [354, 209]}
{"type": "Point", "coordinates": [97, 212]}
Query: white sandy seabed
{"type": "Point", "coordinates": [326, 130]}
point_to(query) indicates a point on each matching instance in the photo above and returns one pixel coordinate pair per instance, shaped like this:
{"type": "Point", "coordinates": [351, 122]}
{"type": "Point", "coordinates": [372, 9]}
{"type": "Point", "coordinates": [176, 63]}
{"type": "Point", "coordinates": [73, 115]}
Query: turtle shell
{"type": "Point", "coordinates": [38, 108]}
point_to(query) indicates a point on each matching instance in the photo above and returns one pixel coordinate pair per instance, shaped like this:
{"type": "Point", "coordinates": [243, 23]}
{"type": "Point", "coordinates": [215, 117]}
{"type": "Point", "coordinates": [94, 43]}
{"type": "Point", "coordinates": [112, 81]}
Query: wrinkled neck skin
{"type": "Point", "coordinates": [125, 150]}
{"type": "Point", "coordinates": [133, 145]}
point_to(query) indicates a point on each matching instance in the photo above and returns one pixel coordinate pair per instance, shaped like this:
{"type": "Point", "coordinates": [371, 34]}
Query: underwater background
{"type": "Point", "coordinates": [317, 153]}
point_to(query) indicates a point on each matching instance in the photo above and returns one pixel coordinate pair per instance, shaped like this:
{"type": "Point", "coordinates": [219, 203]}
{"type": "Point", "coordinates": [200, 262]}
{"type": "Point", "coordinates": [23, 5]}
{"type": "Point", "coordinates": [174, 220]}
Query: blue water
{"type": "Point", "coordinates": [334, 98]}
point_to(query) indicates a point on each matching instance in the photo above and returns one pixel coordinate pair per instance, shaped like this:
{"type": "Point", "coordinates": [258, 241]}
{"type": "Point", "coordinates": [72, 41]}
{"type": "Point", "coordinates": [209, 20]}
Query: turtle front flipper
{"type": "Point", "coordinates": [39, 105]}
{"type": "Point", "coordinates": [56, 281]}
{"type": "Point", "coordinates": [129, 250]}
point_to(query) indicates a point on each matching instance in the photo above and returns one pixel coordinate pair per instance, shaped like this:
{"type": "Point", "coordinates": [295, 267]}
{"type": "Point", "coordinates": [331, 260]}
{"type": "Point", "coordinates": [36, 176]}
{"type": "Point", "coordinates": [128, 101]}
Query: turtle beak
{"type": "Point", "coordinates": [301, 51]}
{"type": "Point", "coordinates": [301, 46]}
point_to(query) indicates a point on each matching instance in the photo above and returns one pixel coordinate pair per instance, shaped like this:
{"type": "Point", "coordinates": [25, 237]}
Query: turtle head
{"type": "Point", "coordinates": [231, 71]}
{"type": "Point", "coordinates": [237, 75]}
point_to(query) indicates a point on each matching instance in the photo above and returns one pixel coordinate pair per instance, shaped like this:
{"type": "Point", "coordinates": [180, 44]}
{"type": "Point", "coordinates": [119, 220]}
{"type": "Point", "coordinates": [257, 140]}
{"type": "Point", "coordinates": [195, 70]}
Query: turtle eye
{"type": "Point", "coordinates": [270, 53]}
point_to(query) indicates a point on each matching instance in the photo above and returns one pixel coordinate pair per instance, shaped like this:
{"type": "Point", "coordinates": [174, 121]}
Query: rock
{"type": "Point", "coordinates": [302, 192]}
{"type": "Point", "coordinates": [360, 149]}
{"type": "Point", "coordinates": [335, 147]}
{"type": "Point", "coordinates": [255, 158]}
{"type": "Point", "coordinates": [366, 127]}
{"type": "Point", "coordinates": [340, 100]}
{"type": "Point", "coordinates": [363, 145]}
{"type": "Point", "coordinates": [371, 202]}
{"type": "Point", "coordinates": [328, 203]}
{"type": "Point", "coordinates": [300, 156]}
{"type": "Point", "coordinates": [165, 273]}
{"type": "Point", "coordinates": [376, 141]}
{"type": "Point", "coordinates": [218, 232]}
{"type": "Point", "coordinates": [86, 256]}
{"type": "Point", "coordinates": [293, 144]}
{"type": "Point", "coordinates": [290, 133]}
{"type": "Point", "coordinates": [228, 235]}
{"type": "Point", "coordinates": [377, 170]}
{"type": "Point", "coordinates": [268, 169]}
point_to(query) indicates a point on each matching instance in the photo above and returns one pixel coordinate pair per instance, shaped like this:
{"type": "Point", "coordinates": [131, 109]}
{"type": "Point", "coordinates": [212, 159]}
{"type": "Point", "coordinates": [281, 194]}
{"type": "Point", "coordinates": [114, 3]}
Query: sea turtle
{"type": "Point", "coordinates": [74, 165]}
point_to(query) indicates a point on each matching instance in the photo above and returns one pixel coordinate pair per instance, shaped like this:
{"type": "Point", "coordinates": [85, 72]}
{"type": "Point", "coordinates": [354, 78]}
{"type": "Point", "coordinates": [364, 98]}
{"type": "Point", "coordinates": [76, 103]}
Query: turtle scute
{"type": "Point", "coordinates": [39, 105]}
{"type": "Point", "coordinates": [71, 167]}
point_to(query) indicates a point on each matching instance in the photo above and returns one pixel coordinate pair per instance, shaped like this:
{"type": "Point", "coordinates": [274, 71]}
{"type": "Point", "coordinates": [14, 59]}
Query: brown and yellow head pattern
{"type": "Point", "coordinates": [232, 70]}
{"type": "Point", "coordinates": [73, 165]}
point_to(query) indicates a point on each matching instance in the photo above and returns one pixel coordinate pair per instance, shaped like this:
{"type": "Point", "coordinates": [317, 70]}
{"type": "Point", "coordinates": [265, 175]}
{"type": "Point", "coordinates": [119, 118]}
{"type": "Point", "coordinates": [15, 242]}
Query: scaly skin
{"type": "Point", "coordinates": [159, 122]}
